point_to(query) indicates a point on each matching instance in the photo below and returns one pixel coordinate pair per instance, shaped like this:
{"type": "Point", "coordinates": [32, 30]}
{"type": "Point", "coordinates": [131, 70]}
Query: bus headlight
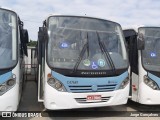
{"type": "Point", "coordinates": [124, 83]}
{"type": "Point", "coordinates": [11, 82]}
{"type": "Point", "coordinates": [150, 83]}
{"type": "Point", "coordinates": [51, 81]}
{"type": "Point", "coordinates": [7, 85]}
{"type": "Point", "coordinates": [56, 84]}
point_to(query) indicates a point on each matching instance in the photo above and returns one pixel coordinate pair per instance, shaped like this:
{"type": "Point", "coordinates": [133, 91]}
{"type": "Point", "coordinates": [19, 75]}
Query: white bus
{"type": "Point", "coordinates": [144, 57]}
{"type": "Point", "coordinates": [82, 63]}
{"type": "Point", "coordinates": [13, 39]}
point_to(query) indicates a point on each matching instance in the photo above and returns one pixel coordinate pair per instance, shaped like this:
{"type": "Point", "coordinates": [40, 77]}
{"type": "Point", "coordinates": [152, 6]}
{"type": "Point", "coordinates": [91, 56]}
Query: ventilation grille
{"type": "Point", "coordinates": [88, 88]}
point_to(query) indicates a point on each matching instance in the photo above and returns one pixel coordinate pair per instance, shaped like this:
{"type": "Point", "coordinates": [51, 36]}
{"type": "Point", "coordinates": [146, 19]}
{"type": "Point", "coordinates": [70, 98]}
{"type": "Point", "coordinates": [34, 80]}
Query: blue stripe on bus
{"type": "Point", "coordinates": [4, 77]}
{"type": "Point", "coordinates": [102, 84]}
{"type": "Point", "coordinates": [154, 78]}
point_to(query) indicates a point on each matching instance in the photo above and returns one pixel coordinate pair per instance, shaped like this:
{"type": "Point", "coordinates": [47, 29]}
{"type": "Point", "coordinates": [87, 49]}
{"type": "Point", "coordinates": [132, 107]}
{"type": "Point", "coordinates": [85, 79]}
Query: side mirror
{"type": "Point", "coordinates": [140, 42]}
{"type": "Point", "coordinates": [39, 52]}
{"type": "Point", "coordinates": [42, 33]}
{"type": "Point", "coordinates": [25, 41]}
{"type": "Point", "coordinates": [42, 37]}
{"type": "Point", "coordinates": [40, 40]}
{"type": "Point", "coordinates": [25, 36]}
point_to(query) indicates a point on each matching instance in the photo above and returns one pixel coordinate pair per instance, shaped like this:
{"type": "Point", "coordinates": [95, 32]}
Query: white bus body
{"type": "Point", "coordinates": [73, 67]}
{"type": "Point", "coordinates": [12, 49]}
{"type": "Point", "coordinates": [144, 57]}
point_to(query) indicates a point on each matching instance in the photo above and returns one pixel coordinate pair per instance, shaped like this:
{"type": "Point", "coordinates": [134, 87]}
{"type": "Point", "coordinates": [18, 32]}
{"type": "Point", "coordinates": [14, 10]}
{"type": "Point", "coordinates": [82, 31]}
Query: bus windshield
{"type": "Point", "coordinates": [80, 39]}
{"type": "Point", "coordinates": [151, 53]}
{"type": "Point", "coordinates": [8, 41]}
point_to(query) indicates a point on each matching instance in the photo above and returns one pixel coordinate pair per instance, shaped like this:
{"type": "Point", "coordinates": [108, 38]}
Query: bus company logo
{"type": "Point", "coordinates": [94, 88]}
{"type": "Point", "coordinates": [93, 73]}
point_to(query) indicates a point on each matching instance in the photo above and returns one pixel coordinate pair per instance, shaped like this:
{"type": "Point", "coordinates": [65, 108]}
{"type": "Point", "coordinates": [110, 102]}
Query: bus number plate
{"type": "Point", "coordinates": [93, 97]}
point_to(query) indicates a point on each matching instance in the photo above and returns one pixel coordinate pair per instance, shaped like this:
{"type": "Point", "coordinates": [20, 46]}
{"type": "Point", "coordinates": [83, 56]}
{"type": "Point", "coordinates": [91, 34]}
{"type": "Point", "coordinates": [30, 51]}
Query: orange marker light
{"type": "Point", "coordinates": [49, 75]}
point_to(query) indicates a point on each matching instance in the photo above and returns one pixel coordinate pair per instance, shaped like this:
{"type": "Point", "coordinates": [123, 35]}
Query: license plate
{"type": "Point", "coordinates": [93, 97]}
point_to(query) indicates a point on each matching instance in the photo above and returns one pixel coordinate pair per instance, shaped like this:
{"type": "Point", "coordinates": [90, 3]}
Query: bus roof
{"type": "Point", "coordinates": [51, 15]}
{"type": "Point", "coordinates": [6, 8]}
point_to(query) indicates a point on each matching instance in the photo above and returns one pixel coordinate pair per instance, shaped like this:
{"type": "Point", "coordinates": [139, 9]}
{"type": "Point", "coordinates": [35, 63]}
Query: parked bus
{"type": "Point", "coordinates": [144, 57]}
{"type": "Point", "coordinates": [13, 39]}
{"type": "Point", "coordinates": [83, 63]}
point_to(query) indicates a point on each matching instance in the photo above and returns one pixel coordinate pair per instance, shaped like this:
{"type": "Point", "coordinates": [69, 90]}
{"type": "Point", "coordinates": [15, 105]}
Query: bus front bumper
{"type": "Point", "coordinates": [55, 100]}
{"type": "Point", "coordinates": [148, 96]}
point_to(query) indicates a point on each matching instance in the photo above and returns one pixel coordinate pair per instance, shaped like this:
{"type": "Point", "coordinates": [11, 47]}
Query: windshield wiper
{"type": "Point", "coordinates": [106, 53]}
{"type": "Point", "coordinates": [86, 46]}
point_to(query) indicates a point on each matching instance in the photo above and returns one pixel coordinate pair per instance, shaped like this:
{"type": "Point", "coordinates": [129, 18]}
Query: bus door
{"type": "Point", "coordinates": [131, 40]}
{"type": "Point", "coordinates": [41, 63]}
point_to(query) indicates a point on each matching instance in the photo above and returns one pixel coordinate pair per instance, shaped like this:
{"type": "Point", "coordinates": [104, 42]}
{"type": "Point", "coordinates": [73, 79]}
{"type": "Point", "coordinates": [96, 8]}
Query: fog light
{"type": "Point", "coordinates": [51, 81]}
{"type": "Point", "coordinates": [58, 85]}
{"type": "Point", "coordinates": [3, 88]}
{"type": "Point", "coordinates": [10, 82]}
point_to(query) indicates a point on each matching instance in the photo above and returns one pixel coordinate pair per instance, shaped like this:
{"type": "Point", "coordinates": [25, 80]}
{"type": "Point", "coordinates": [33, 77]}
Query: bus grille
{"type": "Point", "coordinates": [84, 100]}
{"type": "Point", "coordinates": [88, 88]}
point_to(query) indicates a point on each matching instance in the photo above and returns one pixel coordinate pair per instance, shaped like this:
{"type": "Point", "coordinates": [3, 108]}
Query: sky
{"type": "Point", "coordinates": [125, 12]}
